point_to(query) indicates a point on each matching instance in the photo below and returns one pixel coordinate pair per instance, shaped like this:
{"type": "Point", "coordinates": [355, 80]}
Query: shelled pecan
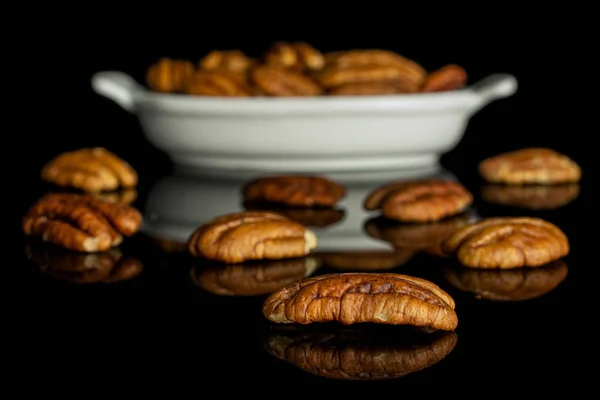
{"type": "Point", "coordinates": [298, 56]}
{"type": "Point", "coordinates": [307, 216]}
{"type": "Point", "coordinates": [278, 81]}
{"type": "Point", "coordinates": [218, 83]}
{"type": "Point", "coordinates": [294, 190]}
{"type": "Point", "coordinates": [448, 77]}
{"type": "Point", "coordinates": [226, 60]}
{"type": "Point", "coordinates": [169, 75]}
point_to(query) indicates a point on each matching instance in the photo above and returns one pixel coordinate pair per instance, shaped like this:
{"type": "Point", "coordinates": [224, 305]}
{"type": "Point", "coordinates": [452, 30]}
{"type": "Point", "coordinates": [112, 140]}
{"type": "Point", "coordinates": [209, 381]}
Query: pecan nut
{"type": "Point", "coordinates": [517, 284]}
{"type": "Point", "coordinates": [218, 83]}
{"type": "Point", "coordinates": [254, 278]}
{"type": "Point", "coordinates": [363, 297]}
{"type": "Point", "coordinates": [297, 191]}
{"type": "Point", "coordinates": [313, 217]}
{"type": "Point", "coordinates": [360, 355]}
{"type": "Point", "coordinates": [126, 196]}
{"type": "Point", "coordinates": [365, 261]}
{"type": "Point", "coordinates": [80, 222]}
{"type": "Point", "coordinates": [277, 81]}
{"type": "Point", "coordinates": [448, 77]}
{"type": "Point", "coordinates": [419, 201]}
{"type": "Point", "coordinates": [533, 197]}
{"type": "Point", "coordinates": [226, 60]}
{"type": "Point", "coordinates": [168, 75]}
{"type": "Point", "coordinates": [530, 166]}
{"type": "Point", "coordinates": [90, 170]}
{"type": "Point", "coordinates": [251, 235]}
{"type": "Point", "coordinates": [507, 242]}
{"type": "Point", "coordinates": [298, 56]}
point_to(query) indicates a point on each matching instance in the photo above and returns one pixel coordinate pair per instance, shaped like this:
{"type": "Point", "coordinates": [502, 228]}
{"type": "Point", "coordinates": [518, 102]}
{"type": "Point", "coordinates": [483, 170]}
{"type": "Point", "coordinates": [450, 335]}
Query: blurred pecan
{"type": "Point", "coordinates": [298, 56]}
{"type": "Point", "coordinates": [419, 201]}
{"type": "Point", "coordinates": [507, 242]}
{"type": "Point", "coordinates": [530, 166]}
{"type": "Point", "coordinates": [80, 222]}
{"type": "Point", "coordinates": [277, 81]}
{"type": "Point", "coordinates": [315, 217]}
{"type": "Point", "coordinates": [448, 77]}
{"type": "Point", "coordinates": [169, 76]}
{"type": "Point", "coordinates": [350, 298]}
{"type": "Point", "coordinates": [300, 191]}
{"type": "Point", "coordinates": [251, 235]}
{"type": "Point", "coordinates": [369, 89]}
{"type": "Point", "coordinates": [218, 83]}
{"type": "Point", "coordinates": [126, 196]}
{"type": "Point", "coordinates": [253, 278]}
{"type": "Point", "coordinates": [361, 356]}
{"type": "Point", "coordinates": [533, 197]}
{"type": "Point", "coordinates": [91, 170]}
{"type": "Point", "coordinates": [517, 284]}
{"type": "Point", "coordinates": [226, 60]}
{"type": "Point", "coordinates": [365, 261]}
{"type": "Point", "coordinates": [107, 267]}
{"type": "Point", "coordinates": [170, 245]}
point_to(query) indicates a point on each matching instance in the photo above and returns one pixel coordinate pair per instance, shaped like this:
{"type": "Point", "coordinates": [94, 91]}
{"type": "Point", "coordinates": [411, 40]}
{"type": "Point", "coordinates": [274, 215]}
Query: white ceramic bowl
{"type": "Point", "coordinates": [318, 135]}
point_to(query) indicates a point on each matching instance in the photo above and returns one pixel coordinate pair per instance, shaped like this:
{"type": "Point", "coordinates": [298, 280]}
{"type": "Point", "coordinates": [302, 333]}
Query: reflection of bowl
{"type": "Point", "coordinates": [178, 204]}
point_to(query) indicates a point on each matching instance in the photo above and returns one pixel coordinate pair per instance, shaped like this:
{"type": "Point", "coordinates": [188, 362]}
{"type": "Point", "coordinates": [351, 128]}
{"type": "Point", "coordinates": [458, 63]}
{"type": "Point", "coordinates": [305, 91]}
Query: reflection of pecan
{"type": "Point", "coordinates": [276, 81]}
{"type": "Point", "coordinates": [217, 83]}
{"type": "Point", "coordinates": [251, 235]}
{"type": "Point", "coordinates": [368, 89]}
{"type": "Point", "coordinates": [299, 191]}
{"type": "Point", "coordinates": [533, 197]}
{"type": "Point", "coordinates": [365, 261]}
{"type": "Point", "coordinates": [81, 222]}
{"type": "Point", "coordinates": [317, 217]}
{"type": "Point", "coordinates": [169, 76]}
{"type": "Point", "coordinates": [507, 243]}
{"type": "Point", "coordinates": [126, 196]}
{"type": "Point", "coordinates": [508, 285]}
{"type": "Point", "coordinates": [91, 170]}
{"type": "Point", "coordinates": [419, 201]}
{"type": "Point", "coordinates": [252, 278]}
{"type": "Point", "coordinates": [350, 298]}
{"type": "Point", "coordinates": [361, 356]}
{"type": "Point", "coordinates": [448, 77]}
{"type": "Point", "coordinates": [298, 56]}
{"type": "Point", "coordinates": [227, 60]}
{"type": "Point", "coordinates": [170, 245]}
{"type": "Point", "coordinates": [107, 267]}
{"type": "Point", "coordinates": [531, 165]}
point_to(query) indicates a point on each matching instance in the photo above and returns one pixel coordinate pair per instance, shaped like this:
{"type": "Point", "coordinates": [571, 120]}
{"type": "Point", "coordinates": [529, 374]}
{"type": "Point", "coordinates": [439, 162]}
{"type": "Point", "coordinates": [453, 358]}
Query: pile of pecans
{"type": "Point", "coordinates": [298, 69]}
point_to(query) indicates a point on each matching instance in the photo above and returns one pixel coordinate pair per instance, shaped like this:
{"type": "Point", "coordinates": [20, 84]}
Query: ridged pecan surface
{"type": "Point", "coordinates": [218, 83]}
{"type": "Point", "coordinates": [298, 191]}
{"type": "Point", "coordinates": [278, 81]}
{"type": "Point", "coordinates": [169, 75]}
{"type": "Point", "coordinates": [298, 56]}
{"type": "Point", "coordinates": [226, 60]}
{"type": "Point", "coordinates": [533, 197]}
{"type": "Point", "coordinates": [362, 297]}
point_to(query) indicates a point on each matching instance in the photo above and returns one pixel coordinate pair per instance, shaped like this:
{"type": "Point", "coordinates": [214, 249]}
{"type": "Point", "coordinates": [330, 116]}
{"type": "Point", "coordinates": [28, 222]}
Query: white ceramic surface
{"type": "Point", "coordinates": [326, 134]}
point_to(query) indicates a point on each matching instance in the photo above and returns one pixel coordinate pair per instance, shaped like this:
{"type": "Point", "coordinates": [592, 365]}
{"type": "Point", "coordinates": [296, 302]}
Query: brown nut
{"type": "Point", "coordinates": [226, 60]}
{"type": "Point", "coordinates": [448, 77]}
{"type": "Point", "coordinates": [419, 201]}
{"type": "Point", "coordinates": [107, 267]}
{"type": "Point", "coordinates": [277, 81]}
{"type": "Point", "coordinates": [126, 196]}
{"type": "Point", "coordinates": [366, 261]}
{"type": "Point", "coordinates": [90, 170]}
{"type": "Point", "coordinates": [251, 235]}
{"type": "Point", "coordinates": [296, 191]}
{"type": "Point", "coordinates": [298, 56]}
{"type": "Point", "coordinates": [252, 278]}
{"type": "Point", "coordinates": [80, 222]}
{"type": "Point", "coordinates": [530, 166]}
{"type": "Point", "coordinates": [361, 355]}
{"type": "Point", "coordinates": [169, 76]}
{"type": "Point", "coordinates": [170, 245]}
{"type": "Point", "coordinates": [533, 197]}
{"type": "Point", "coordinates": [218, 83]}
{"type": "Point", "coordinates": [313, 217]}
{"type": "Point", "coordinates": [350, 298]}
{"type": "Point", "coordinates": [369, 89]}
{"type": "Point", "coordinates": [517, 284]}
{"type": "Point", "coordinates": [507, 242]}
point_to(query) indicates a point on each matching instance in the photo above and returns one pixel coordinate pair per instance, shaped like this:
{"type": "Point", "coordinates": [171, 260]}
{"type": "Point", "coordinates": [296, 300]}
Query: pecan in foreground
{"type": "Point", "coordinates": [530, 166]}
{"type": "Point", "coordinates": [296, 191]}
{"type": "Point", "coordinates": [507, 242]}
{"type": "Point", "coordinates": [91, 170]}
{"type": "Point", "coordinates": [419, 201]}
{"type": "Point", "coordinates": [251, 235]}
{"type": "Point", "coordinates": [169, 75]}
{"type": "Point", "coordinates": [80, 222]}
{"type": "Point", "coordinates": [532, 197]}
{"type": "Point", "coordinates": [351, 298]}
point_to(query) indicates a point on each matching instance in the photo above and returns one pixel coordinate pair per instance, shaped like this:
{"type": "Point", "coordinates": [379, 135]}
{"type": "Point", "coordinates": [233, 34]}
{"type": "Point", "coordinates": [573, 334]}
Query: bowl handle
{"type": "Point", "coordinates": [493, 87]}
{"type": "Point", "coordinates": [117, 86]}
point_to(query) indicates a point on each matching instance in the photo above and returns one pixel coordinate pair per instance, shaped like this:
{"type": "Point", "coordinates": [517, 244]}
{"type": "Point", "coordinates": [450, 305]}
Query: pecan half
{"type": "Point", "coordinates": [126, 196]}
{"type": "Point", "coordinates": [168, 75]}
{"type": "Point", "coordinates": [298, 191]}
{"type": "Point", "coordinates": [226, 60]}
{"type": "Point", "coordinates": [530, 166]}
{"type": "Point", "coordinates": [533, 197]}
{"type": "Point", "coordinates": [253, 278]}
{"type": "Point", "coordinates": [448, 77]}
{"type": "Point", "coordinates": [350, 298]}
{"type": "Point", "coordinates": [107, 267]}
{"type": "Point", "coordinates": [517, 284]}
{"type": "Point", "coordinates": [365, 261]}
{"type": "Point", "coordinates": [218, 83]}
{"type": "Point", "coordinates": [251, 235]}
{"type": "Point", "coordinates": [91, 170]}
{"type": "Point", "coordinates": [313, 217]}
{"type": "Point", "coordinates": [419, 201]}
{"type": "Point", "coordinates": [277, 81]}
{"type": "Point", "coordinates": [80, 222]}
{"type": "Point", "coordinates": [507, 242]}
{"type": "Point", "coordinates": [298, 56]}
